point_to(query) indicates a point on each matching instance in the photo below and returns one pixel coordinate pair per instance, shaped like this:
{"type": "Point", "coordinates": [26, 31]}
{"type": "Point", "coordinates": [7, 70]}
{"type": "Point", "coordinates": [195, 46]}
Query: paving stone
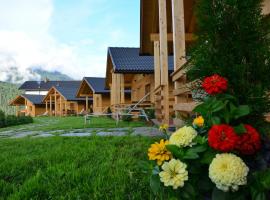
{"type": "Point", "coordinates": [24, 134]}
{"type": "Point", "coordinates": [111, 133]}
{"type": "Point", "coordinates": [147, 131]}
{"type": "Point", "coordinates": [76, 134]}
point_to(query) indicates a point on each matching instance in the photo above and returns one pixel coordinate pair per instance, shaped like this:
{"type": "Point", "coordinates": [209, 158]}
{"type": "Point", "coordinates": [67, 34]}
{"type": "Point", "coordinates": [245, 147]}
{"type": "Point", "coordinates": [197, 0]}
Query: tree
{"type": "Point", "coordinates": [233, 42]}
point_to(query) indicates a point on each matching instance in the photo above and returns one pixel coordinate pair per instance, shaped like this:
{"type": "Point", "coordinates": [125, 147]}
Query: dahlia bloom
{"type": "Point", "coordinates": [222, 137]}
{"type": "Point", "coordinates": [228, 171]}
{"type": "Point", "coordinates": [249, 142]}
{"type": "Point", "coordinates": [198, 121]}
{"type": "Point", "coordinates": [215, 84]}
{"type": "Point", "coordinates": [183, 137]}
{"type": "Point", "coordinates": [174, 173]}
{"type": "Point", "coordinates": [158, 152]}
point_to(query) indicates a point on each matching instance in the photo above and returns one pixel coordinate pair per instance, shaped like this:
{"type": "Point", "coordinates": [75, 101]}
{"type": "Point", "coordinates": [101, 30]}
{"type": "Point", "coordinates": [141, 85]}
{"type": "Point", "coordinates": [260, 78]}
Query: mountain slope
{"type": "Point", "coordinates": [8, 91]}
{"type": "Point", "coordinates": [53, 76]}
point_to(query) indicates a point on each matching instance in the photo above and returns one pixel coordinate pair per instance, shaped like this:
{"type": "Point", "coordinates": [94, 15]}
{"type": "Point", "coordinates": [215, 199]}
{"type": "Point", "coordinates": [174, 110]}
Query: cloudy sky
{"type": "Point", "coordinates": [70, 36]}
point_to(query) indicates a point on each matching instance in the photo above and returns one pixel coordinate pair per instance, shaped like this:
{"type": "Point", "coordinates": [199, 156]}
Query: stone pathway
{"type": "Point", "coordinates": [26, 132]}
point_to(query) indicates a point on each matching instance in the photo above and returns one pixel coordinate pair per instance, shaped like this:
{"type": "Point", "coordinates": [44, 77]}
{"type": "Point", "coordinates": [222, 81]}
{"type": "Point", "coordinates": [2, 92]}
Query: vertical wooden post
{"type": "Point", "coordinates": [55, 104]}
{"type": "Point", "coordinates": [61, 109]}
{"type": "Point", "coordinates": [86, 104]}
{"type": "Point", "coordinates": [122, 83]}
{"type": "Point", "coordinates": [178, 41]}
{"type": "Point", "coordinates": [157, 63]}
{"type": "Point", "coordinates": [164, 59]}
{"type": "Point", "coordinates": [46, 106]}
{"type": "Point", "coordinates": [112, 90]}
{"type": "Point", "coordinates": [50, 105]}
{"type": "Point", "coordinates": [65, 108]}
{"type": "Point", "coordinates": [17, 110]}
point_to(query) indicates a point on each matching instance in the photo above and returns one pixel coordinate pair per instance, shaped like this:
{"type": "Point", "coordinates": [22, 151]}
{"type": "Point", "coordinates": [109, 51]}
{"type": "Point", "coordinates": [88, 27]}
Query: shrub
{"type": "Point", "coordinates": [150, 113]}
{"type": "Point", "coordinates": [11, 120]}
{"type": "Point", "coordinates": [2, 119]}
{"type": "Point", "coordinates": [125, 117]}
{"type": "Point", "coordinates": [24, 120]}
{"type": "Point", "coordinates": [109, 111]}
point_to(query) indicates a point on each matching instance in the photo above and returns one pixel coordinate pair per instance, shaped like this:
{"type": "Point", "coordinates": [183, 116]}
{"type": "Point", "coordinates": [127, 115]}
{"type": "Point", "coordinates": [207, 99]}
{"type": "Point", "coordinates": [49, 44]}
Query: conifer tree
{"type": "Point", "coordinates": [233, 42]}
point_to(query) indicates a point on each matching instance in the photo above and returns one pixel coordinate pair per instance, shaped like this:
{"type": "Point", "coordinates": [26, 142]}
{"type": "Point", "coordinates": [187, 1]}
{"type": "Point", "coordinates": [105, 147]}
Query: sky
{"type": "Point", "coordinates": [70, 36]}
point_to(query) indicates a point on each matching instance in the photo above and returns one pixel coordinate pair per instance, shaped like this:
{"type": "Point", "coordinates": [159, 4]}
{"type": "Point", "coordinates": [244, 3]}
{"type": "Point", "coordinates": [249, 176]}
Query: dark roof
{"type": "Point", "coordinates": [40, 85]}
{"type": "Point", "coordinates": [35, 99]}
{"type": "Point", "coordinates": [129, 60]}
{"type": "Point", "coordinates": [97, 84]}
{"type": "Point", "coordinates": [69, 89]}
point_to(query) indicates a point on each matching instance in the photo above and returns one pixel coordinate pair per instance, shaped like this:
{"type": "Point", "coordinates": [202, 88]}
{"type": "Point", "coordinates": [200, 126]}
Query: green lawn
{"type": "Point", "coordinates": [65, 123]}
{"type": "Point", "coordinates": [74, 168]}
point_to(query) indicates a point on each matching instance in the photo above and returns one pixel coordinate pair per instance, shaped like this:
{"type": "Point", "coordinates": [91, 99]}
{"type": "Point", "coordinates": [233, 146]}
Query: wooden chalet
{"type": "Point", "coordinates": [167, 28]}
{"type": "Point", "coordinates": [61, 99]}
{"type": "Point", "coordinates": [128, 70]}
{"type": "Point", "coordinates": [29, 105]}
{"type": "Point", "coordinates": [94, 88]}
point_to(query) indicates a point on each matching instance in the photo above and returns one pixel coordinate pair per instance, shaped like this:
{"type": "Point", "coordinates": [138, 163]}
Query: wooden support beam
{"type": "Point", "coordinates": [61, 109]}
{"type": "Point", "coordinates": [164, 59]}
{"type": "Point", "coordinates": [50, 105]}
{"type": "Point", "coordinates": [179, 45]}
{"type": "Point", "coordinates": [65, 108]}
{"type": "Point", "coordinates": [87, 104]}
{"type": "Point", "coordinates": [189, 37]}
{"type": "Point", "coordinates": [122, 83]}
{"type": "Point", "coordinates": [55, 104]}
{"type": "Point", "coordinates": [46, 106]}
{"type": "Point", "coordinates": [157, 64]}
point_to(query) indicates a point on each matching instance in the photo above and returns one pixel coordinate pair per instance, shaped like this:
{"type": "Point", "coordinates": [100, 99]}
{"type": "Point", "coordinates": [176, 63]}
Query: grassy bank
{"type": "Point", "coordinates": [65, 123]}
{"type": "Point", "coordinates": [73, 168]}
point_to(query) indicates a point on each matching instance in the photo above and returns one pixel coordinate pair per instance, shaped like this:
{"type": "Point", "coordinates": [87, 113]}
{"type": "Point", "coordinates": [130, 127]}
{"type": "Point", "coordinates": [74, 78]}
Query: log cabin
{"type": "Point", "coordinates": [32, 105]}
{"type": "Point", "coordinates": [127, 69]}
{"type": "Point", "coordinates": [94, 87]}
{"type": "Point", "coordinates": [167, 28]}
{"type": "Point", "coordinates": [61, 99]}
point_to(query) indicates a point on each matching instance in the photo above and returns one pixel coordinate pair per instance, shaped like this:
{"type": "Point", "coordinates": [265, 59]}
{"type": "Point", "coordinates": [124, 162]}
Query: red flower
{"type": "Point", "coordinates": [222, 137]}
{"type": "Point", "coordinates": [249, 142]}
{"type": "Point", "coordinates": [215, 84]}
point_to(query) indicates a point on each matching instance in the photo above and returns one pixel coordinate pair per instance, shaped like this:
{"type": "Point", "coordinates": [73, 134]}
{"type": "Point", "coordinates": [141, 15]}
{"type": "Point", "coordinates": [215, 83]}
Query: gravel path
{"type": "Point", "coordinates": [26, 132]}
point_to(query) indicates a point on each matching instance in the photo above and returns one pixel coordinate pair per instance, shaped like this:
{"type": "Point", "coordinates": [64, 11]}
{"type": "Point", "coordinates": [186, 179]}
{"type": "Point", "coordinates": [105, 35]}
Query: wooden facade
{"type": "Point", "coordinates": [167, 27]}
{"type": "Point", "coordinates": [100, 101]}
{"type": "Point", "coordinates": [25, 106]}
{"type": "Point", "coordinates": [56, 104]}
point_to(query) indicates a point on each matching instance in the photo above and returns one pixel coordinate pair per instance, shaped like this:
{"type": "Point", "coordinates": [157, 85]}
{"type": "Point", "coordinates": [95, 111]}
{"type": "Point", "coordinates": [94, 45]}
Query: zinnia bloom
{"type": "Point", "coordinates": [215, 84]}
{"type": "Point", "coordinates": [163, 127]}
{"type": "Point", "coordinates": [249, 142]}
{"type": "Point", "coordinates": [183, 137]}
{"type": "Point", "coordinates": [228, 171]}
{"type": "Point", "coordinates": [198, 121]}
{"type": "Point", "coordinates": [174, 173]}
{"type": "Point", "coordinates": [222, 137]}
{"type": "Point", "coordinates": [158, 152]}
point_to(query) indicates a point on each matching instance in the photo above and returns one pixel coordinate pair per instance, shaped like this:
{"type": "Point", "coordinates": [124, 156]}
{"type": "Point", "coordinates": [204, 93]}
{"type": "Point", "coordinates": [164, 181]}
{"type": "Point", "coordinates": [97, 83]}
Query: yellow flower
{"type": "Point", "coordinates": [183, 137]}
{"type": "Point", "coordinates": [174, 173]}
{"type": "Point", "coordinates": [198, 121]}
{"type": "Point", "coordinates": [228, 171]}
{"type": "Point", "coordinates": [159, 152]}
{"type": "Point", "coordinates": [163, 127]}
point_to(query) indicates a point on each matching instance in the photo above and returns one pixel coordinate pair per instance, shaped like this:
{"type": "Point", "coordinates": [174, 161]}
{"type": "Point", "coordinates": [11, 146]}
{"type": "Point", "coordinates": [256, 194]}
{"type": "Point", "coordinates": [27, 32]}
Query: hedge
{"type": "Point", "coordinates": [12, 120]}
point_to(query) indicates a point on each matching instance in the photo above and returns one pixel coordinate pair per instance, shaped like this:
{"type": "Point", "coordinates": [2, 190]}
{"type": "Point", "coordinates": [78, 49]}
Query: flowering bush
{"type": "Point", "coordinates": [212, 158]}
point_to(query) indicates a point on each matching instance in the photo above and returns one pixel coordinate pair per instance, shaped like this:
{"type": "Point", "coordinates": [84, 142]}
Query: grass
{"type": "Point", "coordinates": [74, 168]}
{"type": "Point", "coordinates": [69, 123]}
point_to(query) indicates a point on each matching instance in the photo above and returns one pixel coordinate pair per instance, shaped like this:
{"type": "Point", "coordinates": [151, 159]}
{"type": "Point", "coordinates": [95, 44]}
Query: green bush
{"type": "Point", "coordinates": [11, 120]}
{"type": "Point", "coordinates": [125, 117]}
{"type": "Point", "coordinates": [109, 111]}
{"type": "Point", "coordinates": [150, 113]}
{"type": "Point", "coordinates": [2, 119]}
{"type": "Point", "coordinates": [24, 120]}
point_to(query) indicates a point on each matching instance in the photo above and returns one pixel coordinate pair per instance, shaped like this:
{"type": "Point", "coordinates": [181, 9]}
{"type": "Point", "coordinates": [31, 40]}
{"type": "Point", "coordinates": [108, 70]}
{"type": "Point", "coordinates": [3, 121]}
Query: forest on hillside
{"type": "Point", "coordinates": [8, 91]}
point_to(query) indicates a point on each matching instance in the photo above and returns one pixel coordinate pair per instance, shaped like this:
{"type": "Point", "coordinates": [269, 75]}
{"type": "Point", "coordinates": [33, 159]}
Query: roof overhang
{"type": "Point", "coordinates": [85, 86]}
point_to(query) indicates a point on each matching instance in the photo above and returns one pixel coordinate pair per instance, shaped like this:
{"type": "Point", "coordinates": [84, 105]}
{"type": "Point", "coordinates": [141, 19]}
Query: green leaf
{"type": "Point", "coordinates": [208, 156]}
{"type": "Point", "coordinates": [176, 151]}
{"type": "Point", "coordinates": [215, 120]}
{"type": "Point", "coordinates": [199, 148]}
{"type": "Point", "coordinates": [217, 106]}
{"type": "Point", "coordinates": [200, 139]}
{"type": "Point", "coordinates": [155, 184]}
{"type": "Point", "coordinates": [241, 111]}
{"type": "Point", "coordinates": [190, 155]}
{"type": "Point", "coordinates": [240, 129]}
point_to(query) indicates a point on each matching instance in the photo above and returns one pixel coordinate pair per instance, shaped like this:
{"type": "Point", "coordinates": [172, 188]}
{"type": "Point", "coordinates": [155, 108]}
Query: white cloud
{"type": "Point", "coordinates": [25, 42]}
